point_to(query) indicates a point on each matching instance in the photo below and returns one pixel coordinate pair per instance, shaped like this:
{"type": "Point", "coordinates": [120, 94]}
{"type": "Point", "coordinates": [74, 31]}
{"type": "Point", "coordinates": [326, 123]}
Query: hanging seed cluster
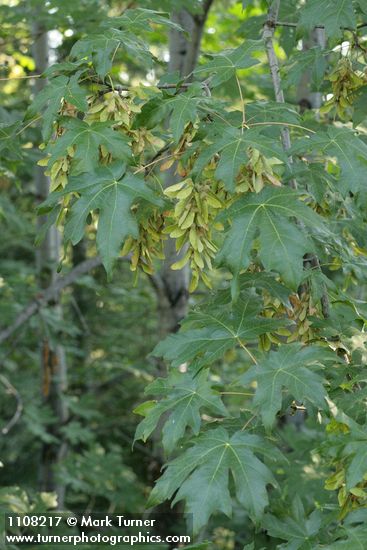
{"type": "Point", "coordinates": [258, 172]}
{"type": "Point", "coordinates": [147, 246]}
{"type": "Point", "coordinates": [191, 223]}
{"type": "Point", "coordinates": [345, 81]}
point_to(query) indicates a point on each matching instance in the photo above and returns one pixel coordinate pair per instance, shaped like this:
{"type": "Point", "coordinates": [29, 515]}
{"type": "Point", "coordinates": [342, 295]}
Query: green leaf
{"type": "Point", "coordinates": [9, 140]}
{"type": "Point", "coordinates": [360, 105]}
{"type": "Point", "coordinates": [357, 469]}
{"type": "Point", "coordinates": [101, 49]}
{"type": "Point", "coordinates": [271, 111]}
{"type": "Point", "coordinates": [267, 282]}
{"type": "Point", "coordinates": [287, 368]}
{"type": "Point", "coordinates": [88, 138]}
{"type": "Point", "coordinates": [232, 145]}
{"type": "Point", "coordinates": [356, 536]}
{"type": "Point", "coordinates": [312, 60]}
{"type": "Point", "coordinates": [142, 20]}
{"type": "Point", "coordinates": [297, 529]}
{"type": "Point", "coordinates": [333, 14]}
{"type": "Point", "coordinates": [59, 88]}
{"type": "Point", "coordinates": [225, 64]}
{"type": "Point", "coordinates": [112, 193]}
{"type": "Point", "coordinates": [282, 243]}
{"type": "Point", "coordinates": [184, 397]}
{"type": "Point", "coordinates": [201, 475]}
{"type": "Point", "coordinates": [184, 109]}
{"type": "Point", "coordinates": [350, 151]}
{"type": "Point", "coordinates": [206, 335]}
{"type": "Point", "coordinates": [355, 451]}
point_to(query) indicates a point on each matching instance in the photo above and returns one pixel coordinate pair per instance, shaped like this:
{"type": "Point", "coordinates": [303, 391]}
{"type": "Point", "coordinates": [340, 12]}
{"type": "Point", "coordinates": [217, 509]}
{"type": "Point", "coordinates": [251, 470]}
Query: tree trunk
{"type": "Point", "coordinates": [173, 288]}
{"type": "Point", "coordinates": [53, 363]}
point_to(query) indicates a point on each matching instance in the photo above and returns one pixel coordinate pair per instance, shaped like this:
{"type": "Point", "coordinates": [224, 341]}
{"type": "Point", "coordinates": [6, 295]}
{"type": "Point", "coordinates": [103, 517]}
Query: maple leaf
{"type": "Point", "coordinates": [333, 14]}
{"type": "Point", "coordinates": [349, 149]}
{"type": "Point", "coordinates": [312, 60]}
{"type": "Point", "coordinates": [9, 140]}
{"type": "Point", "coordinates": [141, 20]}
{"type": "Point", "coordinates": [201, 475]}
{"type": "Point", "coordinates": [225, 64]}
{"type": "Point", "coordinates": [205, 335]}
{"type": "Point", "coordinates": [184, 395]}
{"type": "Point", "coordinates": [233, 145]}
{"type": "Point", "coordinates": [298, 528]}
{"type": "Point", "coordinates": [184, 109]}
{"type": "Point", "coordinates": [271, 111]}
{"type": "Point", "coordinates": [88, 138]}
{"type": "Point", "coordinates": [282, 243]}
{"type": "Point", "coordinates": [102, 47]}
{"type": "Point", "coordinates": [356, 536]}
{"type": "Point", "coordinates": [112, 192]}
{"type": "Point", "coordinates": [59, 88]}
{"type": "Point", "coordinates": [289, 368]}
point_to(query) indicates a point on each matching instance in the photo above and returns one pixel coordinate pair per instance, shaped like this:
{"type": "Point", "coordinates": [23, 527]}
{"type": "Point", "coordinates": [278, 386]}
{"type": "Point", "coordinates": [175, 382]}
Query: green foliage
{"type": "Point", "coordinates": [112, 192]}
{"type": "Point", "coordinates": [208, 333]}
{"type": "Point", "coordinates": [201, 475]}
{"type": "Point", "coordinates": [287, 368]}
{"type": "Point", "coordinates": [347, 147]}
{"type": "Point", "coordinates": [282, 243]}
{"type": "Point", "coordinates": [232, 144]}
{"type": "Point", "coordinates": [223, 66]}
{"type": "Point", "coordinates": [142, 162]}
{"type": "Point", "coordinates": [59, 88]}
{"type": "Point", "coordinates": [183, 396]}
{"type": "Point", "coordinates": [334, 14]}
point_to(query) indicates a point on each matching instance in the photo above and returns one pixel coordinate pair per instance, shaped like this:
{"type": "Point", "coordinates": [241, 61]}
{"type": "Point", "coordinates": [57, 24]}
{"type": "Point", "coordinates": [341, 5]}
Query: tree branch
{"type": "Point", "coordinates": [10, 390]}
{"type": "Point", "coordinates": [268, 36]}
{"type": "Point", "coordinates": [50, 294]}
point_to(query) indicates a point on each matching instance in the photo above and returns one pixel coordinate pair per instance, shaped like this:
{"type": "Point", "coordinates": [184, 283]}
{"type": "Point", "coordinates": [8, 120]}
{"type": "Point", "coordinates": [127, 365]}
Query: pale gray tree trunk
{"type": "Point", "coordinates": [53, 362]}
{"type": "Point", "coordinates": [307, 98]}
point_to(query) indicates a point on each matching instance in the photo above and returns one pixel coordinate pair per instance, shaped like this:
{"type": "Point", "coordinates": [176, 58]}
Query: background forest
{"type": "Point", "coordinates": [229, 140]}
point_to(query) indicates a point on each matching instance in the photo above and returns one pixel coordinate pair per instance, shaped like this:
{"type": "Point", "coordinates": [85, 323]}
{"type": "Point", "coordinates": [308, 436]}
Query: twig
{"type": "Point", "coordinates": [10, 390]}
{"type": "Point", "coordinates": [21, 77]}
{"type": "Point", "coordinates": [268, 36]}
{"type": "Point", "coordinates": [295, 25]}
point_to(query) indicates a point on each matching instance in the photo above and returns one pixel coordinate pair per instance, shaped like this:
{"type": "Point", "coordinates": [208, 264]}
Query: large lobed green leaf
{"type": "Point", "coordinates": [224, 65]}
{"type": "Point", "coordinates": [184, 396]}
{"type": "Point", "coordinates": [232, 145]}
{"type": "Point", "coordinates": [333, 14]}
{"type": "Point", "coordinates": [347, 147]}
{"type": "Point", "coordinates": [59, 88]}
{"type": "Point", "coordinates": [112, 192]}
{"type": "Point", "coordinates": [282, 244]}
{"type": "Point", "coordinates": [87, 139]}
{"type": "Point", "coordinates": [291, 368]}
{"type": "Point", "coordinates": [201, 475]}
{"type": "Point", "coordinates": [207, 334]}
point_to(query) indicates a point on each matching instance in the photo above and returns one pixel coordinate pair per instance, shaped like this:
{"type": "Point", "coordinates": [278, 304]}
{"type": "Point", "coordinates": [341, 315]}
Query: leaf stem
{"type": "Point", "coordinates": [248, 394]}
{"type": "Point", "coordinates": [248, 422]}
{"type": "Point", "coordinates": [244, 125]}
{"type": "Point", "coordinates": [247, 351]}
{"type": "Point", "coordinates": [27, 125]}
{"type": "Point", "coordinates": [281, 124]}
